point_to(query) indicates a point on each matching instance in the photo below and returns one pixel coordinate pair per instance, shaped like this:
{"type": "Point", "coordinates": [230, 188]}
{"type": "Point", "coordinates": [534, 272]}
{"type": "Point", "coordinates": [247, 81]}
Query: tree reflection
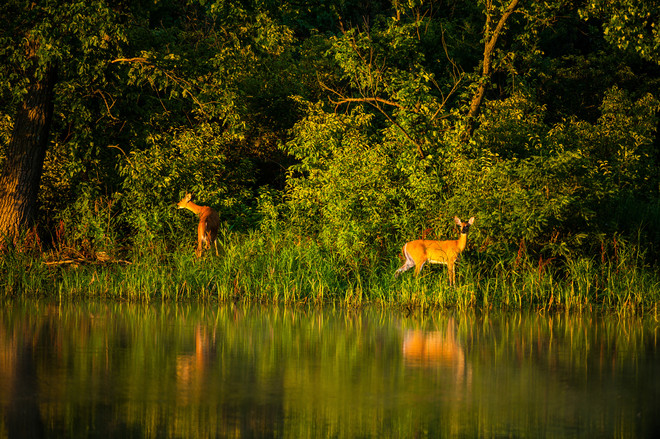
{"type": "Point", "coordinates": [22, 414]}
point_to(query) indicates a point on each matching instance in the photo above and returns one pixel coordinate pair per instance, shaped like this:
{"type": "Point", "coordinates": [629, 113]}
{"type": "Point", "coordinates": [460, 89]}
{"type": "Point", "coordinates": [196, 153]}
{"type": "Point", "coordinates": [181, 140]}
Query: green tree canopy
{"type": "Point", "coordinates": [360, 124]}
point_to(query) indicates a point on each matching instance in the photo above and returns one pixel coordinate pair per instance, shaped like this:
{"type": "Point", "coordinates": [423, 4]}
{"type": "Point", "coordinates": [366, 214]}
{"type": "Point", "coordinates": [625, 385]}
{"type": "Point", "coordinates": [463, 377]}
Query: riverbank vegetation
{"type": "Point", "coordinates": [283, 268]}
{"type": "Point", "coordinates": [326, 135]}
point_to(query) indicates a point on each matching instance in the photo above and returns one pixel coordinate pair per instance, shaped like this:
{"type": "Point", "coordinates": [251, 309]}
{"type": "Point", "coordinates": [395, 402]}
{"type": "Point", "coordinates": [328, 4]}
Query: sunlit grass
{"type": "Point", "coordinates": [286, 268]}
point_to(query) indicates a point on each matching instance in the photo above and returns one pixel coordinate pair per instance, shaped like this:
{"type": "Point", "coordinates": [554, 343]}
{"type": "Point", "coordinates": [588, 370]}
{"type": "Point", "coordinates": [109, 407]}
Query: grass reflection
{"type": "Point", "coordinates": [182, 370]}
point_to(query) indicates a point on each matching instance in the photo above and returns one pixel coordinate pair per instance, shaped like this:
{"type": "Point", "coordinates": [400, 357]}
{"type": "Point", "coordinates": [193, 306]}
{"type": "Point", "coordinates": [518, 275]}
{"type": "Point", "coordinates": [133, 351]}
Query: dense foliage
{"type": "Point", "coordinates": [346, 122]}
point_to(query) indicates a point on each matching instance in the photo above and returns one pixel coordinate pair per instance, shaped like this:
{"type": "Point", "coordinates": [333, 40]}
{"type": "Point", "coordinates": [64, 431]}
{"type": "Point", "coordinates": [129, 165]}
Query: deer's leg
{"type": "Point", "coordinates": [407, 264]}
{"type": "Point", "coordinates": [452, 273]}
{"type": "Point", "coordinates": [418, 268]}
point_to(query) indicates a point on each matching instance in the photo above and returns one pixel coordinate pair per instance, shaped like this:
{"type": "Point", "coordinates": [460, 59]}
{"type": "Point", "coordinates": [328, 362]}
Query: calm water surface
{"type": "Point", "coordinates": [126, 370]}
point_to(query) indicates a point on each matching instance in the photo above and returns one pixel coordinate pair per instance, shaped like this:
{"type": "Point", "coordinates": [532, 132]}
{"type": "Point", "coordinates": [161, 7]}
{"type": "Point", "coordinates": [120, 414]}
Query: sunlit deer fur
{"type": "Point", "coordinates": [209, 221]}
{"type": "Point", "coordinates": [419, 252]}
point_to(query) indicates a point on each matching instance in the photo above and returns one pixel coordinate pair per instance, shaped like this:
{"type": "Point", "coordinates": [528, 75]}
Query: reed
{"type": "Point", "coordinates": [286, 268]}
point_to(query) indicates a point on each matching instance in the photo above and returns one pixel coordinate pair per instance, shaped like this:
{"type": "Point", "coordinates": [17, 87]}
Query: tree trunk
{"type": "Point", "coordinates": [489, 49]}
{"type": "Point", "coordinates": [21, 174]}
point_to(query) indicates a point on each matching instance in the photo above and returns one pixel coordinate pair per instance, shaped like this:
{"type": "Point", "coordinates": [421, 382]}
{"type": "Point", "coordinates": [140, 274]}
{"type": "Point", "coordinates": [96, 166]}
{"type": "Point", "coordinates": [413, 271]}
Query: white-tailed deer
{"type": "Point", "coordinates": [209, 221]}
{"type": "Point", "coordinates": [419, 252]}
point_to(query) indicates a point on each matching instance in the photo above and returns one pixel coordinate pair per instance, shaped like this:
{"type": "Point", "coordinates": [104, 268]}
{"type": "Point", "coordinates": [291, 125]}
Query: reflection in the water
{"type": "Point", "coordinates": [429, 348]}
{"type": "Point", "coordinates": [191, 367]}
{"type": "Point", "coordinates": [109, 369]}
{"type": "Point", "coordinates": [23, 418]}
{"type": "Point", "coordinates": [437, 349]}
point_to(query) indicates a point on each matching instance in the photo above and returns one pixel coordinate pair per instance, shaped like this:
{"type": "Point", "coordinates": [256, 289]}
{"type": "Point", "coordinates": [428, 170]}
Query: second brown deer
{"type": "Point", "coordinates": [207, 229]}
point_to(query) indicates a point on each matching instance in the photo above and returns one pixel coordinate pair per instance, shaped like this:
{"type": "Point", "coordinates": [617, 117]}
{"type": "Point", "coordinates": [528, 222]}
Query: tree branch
{"type": "Point", "coordinates": [368, 100]}
{"type": "Point", "coordinates": [374, 102]}
{"type": "Point", "coordinates": [139, 59]}
{"type": "Point", "coordinates": [185, 85]}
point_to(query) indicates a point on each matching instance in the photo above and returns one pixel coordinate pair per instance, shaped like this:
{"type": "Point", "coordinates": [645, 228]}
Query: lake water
{"type": "Point", "coordinates": [172, 370]}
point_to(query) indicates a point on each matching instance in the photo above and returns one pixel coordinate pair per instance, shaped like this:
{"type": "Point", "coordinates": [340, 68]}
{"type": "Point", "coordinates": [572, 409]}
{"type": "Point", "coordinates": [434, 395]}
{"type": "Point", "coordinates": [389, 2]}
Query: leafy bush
{"type": "Point", "coordinates": [197, 160]}
{"type": "Point", "coordinates": [355, 191]}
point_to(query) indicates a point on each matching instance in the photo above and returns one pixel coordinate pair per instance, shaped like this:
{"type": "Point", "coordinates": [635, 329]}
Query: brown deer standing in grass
{"type": "Point", "coordinates": [419, 252]}
{"type": "Point", "coordinates": [209, 221]}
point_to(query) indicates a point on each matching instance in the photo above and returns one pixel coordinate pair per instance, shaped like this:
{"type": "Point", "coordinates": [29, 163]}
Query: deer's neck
{"type": "Point", "coordinates": [462, 242]}
{"type": "Point", "coordinates": [194, 208]}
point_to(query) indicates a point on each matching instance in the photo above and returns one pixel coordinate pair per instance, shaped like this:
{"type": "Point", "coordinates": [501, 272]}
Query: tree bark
{"type": "Point", "coordinates": [21, 173]}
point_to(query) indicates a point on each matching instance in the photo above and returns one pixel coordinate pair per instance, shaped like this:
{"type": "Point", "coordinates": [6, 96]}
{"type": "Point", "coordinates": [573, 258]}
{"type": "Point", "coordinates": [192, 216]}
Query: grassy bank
{"type": "Point", "coordinates": [283, 268]}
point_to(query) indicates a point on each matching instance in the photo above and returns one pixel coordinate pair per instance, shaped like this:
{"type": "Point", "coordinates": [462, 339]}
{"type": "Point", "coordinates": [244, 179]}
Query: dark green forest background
{"type": "Point", "coordinates": [357, 125]}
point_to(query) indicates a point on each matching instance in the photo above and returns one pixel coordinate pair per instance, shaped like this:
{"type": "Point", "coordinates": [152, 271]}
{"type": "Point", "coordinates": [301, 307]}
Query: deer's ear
{"type": "Point", "coordinates": [457, 220]}
{"type": "Point", "coordinates": [471, 221]}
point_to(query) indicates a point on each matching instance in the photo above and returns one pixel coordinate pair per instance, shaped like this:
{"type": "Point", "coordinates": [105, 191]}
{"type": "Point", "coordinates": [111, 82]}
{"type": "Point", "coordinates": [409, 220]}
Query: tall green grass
{"type": "Point", "coordinates": [286, 268]}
